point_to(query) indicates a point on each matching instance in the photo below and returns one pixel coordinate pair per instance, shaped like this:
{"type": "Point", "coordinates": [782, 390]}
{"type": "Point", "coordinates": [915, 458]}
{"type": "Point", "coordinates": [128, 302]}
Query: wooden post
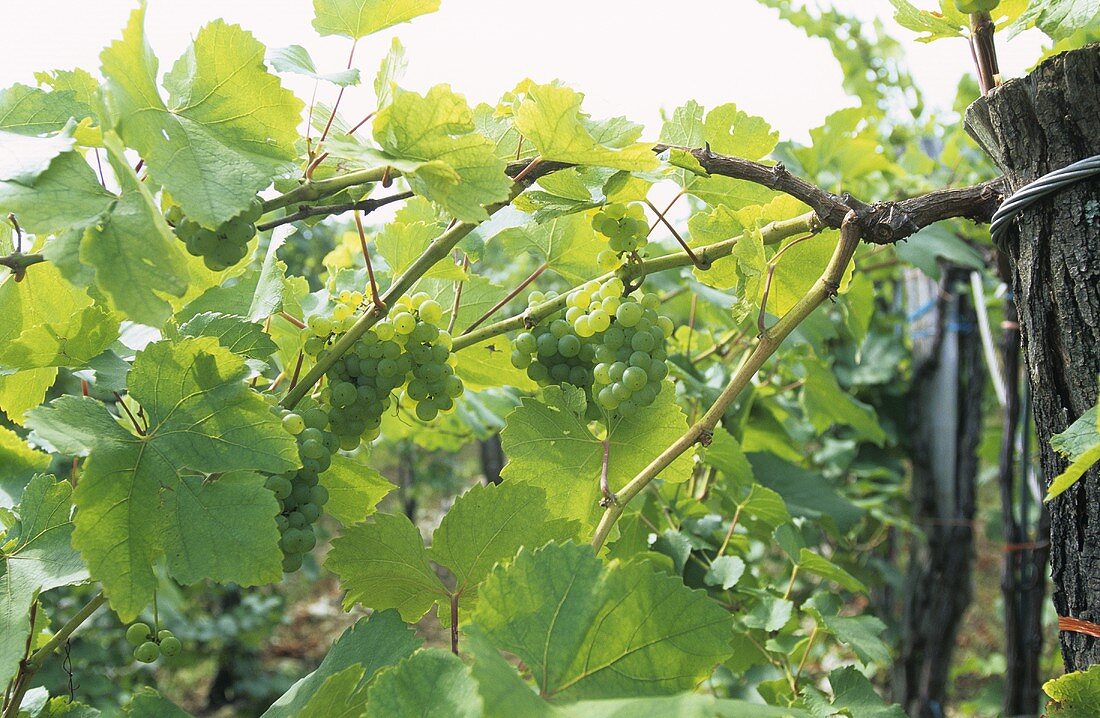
{"type": "Point", "coordinates": [1031, 126]}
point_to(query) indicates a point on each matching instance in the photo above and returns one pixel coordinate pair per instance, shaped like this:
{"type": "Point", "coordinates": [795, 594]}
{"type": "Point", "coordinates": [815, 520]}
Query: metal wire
{"type": "Point", "coordinates": [1032, 192]}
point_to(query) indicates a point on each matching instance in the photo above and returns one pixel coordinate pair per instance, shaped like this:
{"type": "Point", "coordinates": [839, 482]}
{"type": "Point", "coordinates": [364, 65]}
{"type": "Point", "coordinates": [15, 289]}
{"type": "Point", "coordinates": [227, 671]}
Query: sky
{"type": "Point", "coordinates": [629, 57]}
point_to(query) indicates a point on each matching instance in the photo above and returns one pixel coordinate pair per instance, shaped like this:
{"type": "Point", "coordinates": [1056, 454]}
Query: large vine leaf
{"type": "Point", "coordinates": [550, 117]}
{"type": "Point", "coordinates": [34, 111]}
{"type": "Point", "coordinates": [228, 127]}
{"type": "Point", "coordinates": [487, 525]}
{"type": "Point", "coordinates": [66, 196]}
{"type": "Point", "coordinates": [566, 245]}
{"type": "Point", "coordinates": [139, 496]}
{"type": "Point", "coordinates": [372, 644]}
{"type": "Point", "coordinates": [359, 18]}
{"type": "Point", "coordinates": [432, 140]}
{"type": "Point", "coordinates": [550, 445]}
{"type": "Point", "coordinates": [49, 322]}
{"type": "Point", "coordinates": [35, 556]}
{"type": "Point", "coordinates": [18, 463]}
{"type": "Point", "coordinates": [431, 682]}
{"type": "Point", "coordinates": [589, 630]}
{"type": "Point", "coordinates": [383, 564]}
{"type": "Point", "coordinates": [23, 158]}
{"type": "Point", "coordinates": [1074, 695]}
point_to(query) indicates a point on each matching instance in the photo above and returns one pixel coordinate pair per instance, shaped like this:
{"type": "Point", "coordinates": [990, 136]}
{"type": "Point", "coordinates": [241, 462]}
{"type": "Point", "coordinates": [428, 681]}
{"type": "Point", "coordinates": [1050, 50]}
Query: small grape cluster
{"type": "Point", "coordinates": [432, 383]}
{"type": "Point", "coordinates": [626, 230]}
{"type": "Point", "coordinates": [301, 497]}
{"type": "Point", "coordinates": [222, 247]}
{"type": "Point", "coordinates": [610, 345]}
{"type": "Point", "coordinates": [148, 646]}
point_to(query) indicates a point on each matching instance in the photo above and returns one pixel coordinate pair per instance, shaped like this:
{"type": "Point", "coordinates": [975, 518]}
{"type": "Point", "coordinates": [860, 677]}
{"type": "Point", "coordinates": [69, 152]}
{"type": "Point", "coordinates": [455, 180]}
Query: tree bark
{"type": "Point", "coordinates": [946, 409]}
{"type": "Point", "coordinates": [1031, 126]}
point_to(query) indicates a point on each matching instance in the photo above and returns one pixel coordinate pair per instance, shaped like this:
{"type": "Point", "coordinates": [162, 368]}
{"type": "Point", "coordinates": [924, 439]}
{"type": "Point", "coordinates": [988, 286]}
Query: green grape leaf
{"type": "Point", "coordinates": [567, 245]}
{"type": "Point", "coordinates": [147, 703]}
{"type": "Point", "coordinates": [342, 695]}
{"type": "Point", "coordinates": [1059, 19]}
{"type": "Point", "coordinates": [764, 505]}
{"type": "Point", "coordinates": [24, 390]}
{"type": "Point", "coordinates": [852, 692]}
{"type": "Point", "coordinates": [725, 571]}
{"type": "Point", "coordinates": [827, 405]}
{"type": "Point", "coordinates": [450, 164]}
{"type": "Point", "coordinates": [550, 117]}
{"type": "Point", "coordinates": [35, 556]}
{"type": "Point", "coordinates": [548, 445]}
{"type": "Point", "coordinates": [33, 111]}
{"type": "Point", "coordinates": [373, 643]}
{"type": "Point", "coordinates": [66, 196]}
{"type": "Point", "coordinates": [228, 127]}
{"type": "Point", "coordinates": [354, 489]}
{"type": "Point", "coordinates": [236, 334]}
{"type": "Point", "coordinates": [946, 21]}
{"type": "Point", "coordinates": [488, 364]}
{"type": "Point", "coordinates": [383, 564]}
{"type": "Point", "coordinates": [799, 267]}
{"type": "Point", "coordinates": [769, 613]}
{"type": "Point", "coordinates": [404, 240]}
{"type": "Point", "coordinates": [1074, 695]}
{"type": "Point", "coordinates": [863, 634]}
{"type": "Point", "coordinates": [359, 18]}
{"type": "Point", "coordinates": [821, 566]}
{"type": "Point", "coordinates": [589, 630]}
{"type": "Point", "coordinates": [431, 682]}
{"type": "Point", "coordinates": [23, 158]}
{"type": "Point", "coordinates": [926, 248]}
{"type": "Point", "coordinates": [1073, 472]}
{"type": "Point", "coordinates": [389, 74]}
{"type": "Point", "coordinates": [136, 258]}
{"type": "Point", "coordinates": [806, 493]}
{"type": "Point", "coordinates": [49, 322]}
{"type": "Point", "coordinates": [138, 497]}
{"type": "Point", "coordinates": [685, 126]}
{"type": "Point", "coordinates": [295, 59]}
{"type": "Point", "coordinates": [487, 525]}
{"type": "Point", "coordinates": [724, 453]}
{"type": "Point", "coordinates": [730, 131]}
{"type": "Point", "coordinates": [1080, 443]}
{"type": "Point", "coordinates": [504, 693]}
{"type": "Point", "coordinates": [18, 463]}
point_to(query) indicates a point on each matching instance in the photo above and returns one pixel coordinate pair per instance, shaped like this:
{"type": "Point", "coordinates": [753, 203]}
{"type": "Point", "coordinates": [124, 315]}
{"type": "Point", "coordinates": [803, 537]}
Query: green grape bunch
{"type": "Point", "coordinates": [149, 647]}
{"type": "Point", "coordinates": [301, 497]}
{"type": "Point", "coordinates": [626, 230]}
{"type": "Point", "coordinates": [610, 345]}
{"type": "Point", "coordinates": [223, 246]}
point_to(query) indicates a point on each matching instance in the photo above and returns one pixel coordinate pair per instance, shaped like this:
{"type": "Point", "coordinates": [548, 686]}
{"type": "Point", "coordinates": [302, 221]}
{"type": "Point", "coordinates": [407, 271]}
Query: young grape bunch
{"type": "Point", "coordinates": [149, 647]}
{"type": "Point", "coordinates": [433, 385]}
{"type": "Point", "coordinates": [611, 346]}
{"type": "Point", "coordinates": [223, 246]}
{"type": "Point", "coordinates": [626, 230]}
{"type": "Point", "coordinates": [301, 497]}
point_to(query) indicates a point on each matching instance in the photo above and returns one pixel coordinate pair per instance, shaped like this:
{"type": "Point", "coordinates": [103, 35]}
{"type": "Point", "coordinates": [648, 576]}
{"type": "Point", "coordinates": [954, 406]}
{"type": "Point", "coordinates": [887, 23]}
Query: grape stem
{"type": "Point", "coordinates": [365, 205]}
{"type": "Point", "coordinates": [18, 263]}
{"type": "Point", "coordinates": [767, 343]}
{"type": "Point", "coordinates": [366, 258]}
{"type": "Point", "coordinates": [454, 623]}
{"type": "Point", "coordinates": [609, 497]}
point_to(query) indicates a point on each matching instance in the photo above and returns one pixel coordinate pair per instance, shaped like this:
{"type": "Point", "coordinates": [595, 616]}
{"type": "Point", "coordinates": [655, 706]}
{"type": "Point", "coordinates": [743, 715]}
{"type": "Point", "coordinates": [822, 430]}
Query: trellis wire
{"type": "Point", "coordinates": [1034, 191]}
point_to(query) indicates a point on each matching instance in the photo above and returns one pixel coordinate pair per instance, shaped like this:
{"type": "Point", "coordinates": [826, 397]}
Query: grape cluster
{"type": "Point", "coordinates": [301, 497]}
{"type": "Point", "coordinates": [222, 247]}
{"type": "Point", "coordinates": [611, 346]}
{"type": "Point", "coordinates": [626, 230]}
{"type": "Point", "coordinates": [147, 646]}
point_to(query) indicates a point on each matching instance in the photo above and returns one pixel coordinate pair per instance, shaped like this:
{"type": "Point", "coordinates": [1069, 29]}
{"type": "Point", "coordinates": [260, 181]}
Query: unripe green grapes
{"type": "Point", "coordinates": [147, 652]}
{"type": "Point", "coordinates": [170, 645]}
{"type": "Point", "coordinates": [611, 346]}
{"type": "Point", "coordinates": [138, 634]}
{"type": "Point", "coordinates": [223, 246]}
{"type": "Point", "coordinates": [626, 230]}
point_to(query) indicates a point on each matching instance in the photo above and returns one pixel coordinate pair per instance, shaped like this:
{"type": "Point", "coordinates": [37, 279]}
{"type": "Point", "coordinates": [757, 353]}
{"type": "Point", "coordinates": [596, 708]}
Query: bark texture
{"type": "Point", "coordinates": [1029, 127]}
{"type": "Point", "coordinates": [946, 411]}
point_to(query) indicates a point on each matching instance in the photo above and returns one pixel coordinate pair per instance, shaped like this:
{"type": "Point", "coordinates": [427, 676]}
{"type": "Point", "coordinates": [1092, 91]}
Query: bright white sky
{"type": "Point", "coordinates": [630, 57]}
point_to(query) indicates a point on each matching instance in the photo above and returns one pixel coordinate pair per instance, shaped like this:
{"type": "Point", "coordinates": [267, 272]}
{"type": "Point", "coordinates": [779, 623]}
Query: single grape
{"type": "Point", "coordinates": [294, 424]}
{"type": "Point", "coordinates": [170, 645]}
{"type": "Point", "coordinates": [147, 652]}
{"type": "Point", "coordinates": [138, 634]}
